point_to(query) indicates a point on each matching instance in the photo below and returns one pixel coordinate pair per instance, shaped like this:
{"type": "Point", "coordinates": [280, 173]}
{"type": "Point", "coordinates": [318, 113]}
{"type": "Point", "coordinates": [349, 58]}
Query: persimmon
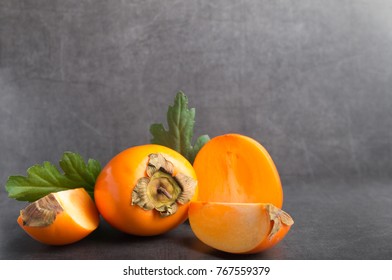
{"type": "Point", "coordinates": [240, 196]}
{"type": "Point", "coordinates": [238, 227]}
{"type": "Point", "coordinates": [237, 168]}
{"type": "Point", "coordinates": [60, 218]}
{"type": "Point", "coordinates": [145, 190]}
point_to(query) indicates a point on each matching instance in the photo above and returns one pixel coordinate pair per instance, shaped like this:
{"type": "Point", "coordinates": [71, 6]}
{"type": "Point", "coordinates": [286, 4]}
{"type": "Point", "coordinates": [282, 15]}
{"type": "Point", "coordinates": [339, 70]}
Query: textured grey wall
{"type": "Point", "coordinates": [311, 80]}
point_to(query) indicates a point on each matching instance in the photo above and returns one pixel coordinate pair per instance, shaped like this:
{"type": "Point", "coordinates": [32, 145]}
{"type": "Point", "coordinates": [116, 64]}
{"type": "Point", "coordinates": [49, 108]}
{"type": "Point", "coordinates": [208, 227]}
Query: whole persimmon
{"type": "Point", "coordinates": [146, 190]}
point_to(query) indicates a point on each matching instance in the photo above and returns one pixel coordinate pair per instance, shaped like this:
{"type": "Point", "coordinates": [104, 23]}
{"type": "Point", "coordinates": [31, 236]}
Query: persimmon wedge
{"type": "Point", "coordinates": [238, 227]}
{"type": "Point", "coordinates": [240, 196]}
{"type": "Point", "coordinates": [60, 218]}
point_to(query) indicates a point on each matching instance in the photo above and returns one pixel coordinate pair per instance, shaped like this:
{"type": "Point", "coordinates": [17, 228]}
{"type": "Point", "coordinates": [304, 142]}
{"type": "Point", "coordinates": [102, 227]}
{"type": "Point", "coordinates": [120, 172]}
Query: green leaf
{"type": "Point", "coordinates": [181, 121]}
{"type": "Point", "coordinates": [44, 179]}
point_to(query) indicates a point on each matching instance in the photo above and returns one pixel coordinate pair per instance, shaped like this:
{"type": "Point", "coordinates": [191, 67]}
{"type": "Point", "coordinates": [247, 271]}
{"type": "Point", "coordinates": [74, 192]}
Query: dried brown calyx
{"type": "Point", "coordinates": [42, 212]}
{"type": "Point", "coordinates": [278, 217]}
{"type": "Point", "coordinates": [160, 190]}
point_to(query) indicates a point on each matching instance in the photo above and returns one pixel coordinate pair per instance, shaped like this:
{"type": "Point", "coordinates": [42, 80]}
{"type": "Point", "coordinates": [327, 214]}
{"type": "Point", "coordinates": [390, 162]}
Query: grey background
{"type": "Point", "coordinates": [310, 80]}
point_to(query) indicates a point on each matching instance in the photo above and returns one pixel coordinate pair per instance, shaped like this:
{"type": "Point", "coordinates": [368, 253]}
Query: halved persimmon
{"type": "Point", "coordinates": [145, 190]}
{"type": "Point", "coordinates": [240, 196]}
{"type": "Point", "coordinates": [60, 218]}
{"type": "Point", "coordinates": [237, 168]}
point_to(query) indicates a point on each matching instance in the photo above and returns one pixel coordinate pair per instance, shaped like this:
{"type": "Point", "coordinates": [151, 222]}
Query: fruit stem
{"type": "Point", "coordinates": [162, 190]}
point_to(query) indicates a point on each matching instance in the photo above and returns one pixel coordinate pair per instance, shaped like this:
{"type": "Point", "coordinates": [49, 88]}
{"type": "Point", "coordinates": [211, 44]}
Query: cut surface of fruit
{"type": "Point", "coordinates": [60, 218]}
{"type": "Point", "coordinates": [236, 168]}
{"type": "Point", "coordinates": [238, 227]}
{"type": "Point", "coordinates": [240, 196]}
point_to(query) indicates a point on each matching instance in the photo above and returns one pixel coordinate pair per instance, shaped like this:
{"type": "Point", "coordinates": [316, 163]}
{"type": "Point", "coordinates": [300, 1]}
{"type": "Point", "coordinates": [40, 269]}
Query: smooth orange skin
{"type": "Point", "coordinates": [236, 168]}
{"type": "Point", "coordinates": [240, 228]}
{"type": "Point", "coordinates": [269, 243]}
{"type": "Point", "coordinates": [115, 184]}
{"type": "Point", "coordinates": [65, 230]}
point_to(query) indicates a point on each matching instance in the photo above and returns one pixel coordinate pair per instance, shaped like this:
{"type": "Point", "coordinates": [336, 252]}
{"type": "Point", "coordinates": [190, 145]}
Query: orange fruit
{"type": "Point", "coordinates": [236, 168]}
{"type": "Point", "coordinates": [240, 196]}
{"type": "Point", "coordinates": [238, 227]}
{"type": "Point", "coordinates": [145, 190]}
{"type": "Point", "coordinates": [60, 218]}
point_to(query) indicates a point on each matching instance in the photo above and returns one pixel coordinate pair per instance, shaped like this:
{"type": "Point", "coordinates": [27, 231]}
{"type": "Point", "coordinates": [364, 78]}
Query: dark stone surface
{"type": "Point", "coordinates": [311, 80]}
{"type": "Point", "coordinates": [333, 220]}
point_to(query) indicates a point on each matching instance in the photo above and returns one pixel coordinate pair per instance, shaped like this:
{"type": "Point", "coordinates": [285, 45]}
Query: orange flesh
{"type": "Point", "coordinates": [234, 227]}
{"type": "Point", "coordinates": [227, 227]}
{"type": "Point", "coordinates": [236, 168]}
{"type": "Point", "coordinates": [237, 179]}
{"type": "Point", "coordinates": [78, 219]}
